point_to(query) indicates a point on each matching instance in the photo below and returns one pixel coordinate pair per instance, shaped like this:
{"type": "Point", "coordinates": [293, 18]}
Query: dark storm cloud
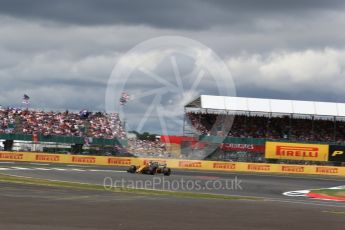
{"type": "Point", "coordinates": [102, 12]}
{"type": "Point", "coordinates": [181, 14]}
{"type": "Point", "coordinates": [271, 6]}
{"type": "Point", "coordinates": [61, 52]}
{"type": "Point", "coordinates": [306, 94]}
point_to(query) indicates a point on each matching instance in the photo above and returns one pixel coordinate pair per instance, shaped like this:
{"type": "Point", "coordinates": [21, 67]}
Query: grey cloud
{"type": "Point", "coordinates": [272, 6]}
{"type": "Point", "coordinates": [178, 14]}
{"type": "Point", "coordinates": [155, 12]}
{"type": "Point", "coordinates": [302, 94]}
{"type": "Point", "coordinates": [61, 53]}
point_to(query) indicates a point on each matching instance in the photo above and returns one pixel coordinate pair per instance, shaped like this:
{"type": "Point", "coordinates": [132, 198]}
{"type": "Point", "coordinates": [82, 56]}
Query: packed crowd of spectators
{"type": "Point", "coordinates": [285, 127]}
{"type": "Point", "coordinates": [7, 121]}
{"type": "Point", "coordinates": [107, 126]}
{"type": "Point", "coordinates": [147, 148]}
{"type": "Point", "coordinates": [82, 124]}
{"type": "Point", "coordinates": [96, 125]}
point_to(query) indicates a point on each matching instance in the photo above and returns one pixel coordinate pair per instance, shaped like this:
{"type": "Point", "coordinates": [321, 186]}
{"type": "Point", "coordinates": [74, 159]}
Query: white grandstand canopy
{"type": "Point", "coordinates": [273, 106]}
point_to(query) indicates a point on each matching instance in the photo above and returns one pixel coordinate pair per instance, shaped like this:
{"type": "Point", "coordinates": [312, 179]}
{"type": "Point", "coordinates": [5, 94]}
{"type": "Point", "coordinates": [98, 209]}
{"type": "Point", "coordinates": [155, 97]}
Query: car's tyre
{"type": "Point", "coordinates": [166, 171]}
{"type": "Point", "coordinates": [152, 170]}
{"type": "Point", "coordinates": [132, 169]}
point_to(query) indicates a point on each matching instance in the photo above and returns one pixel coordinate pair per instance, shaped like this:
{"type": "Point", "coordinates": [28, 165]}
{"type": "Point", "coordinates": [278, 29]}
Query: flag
{"type": "Point", "coordinates": [26, 99]}
{"type": "Point", "coordinates": [124, 98]}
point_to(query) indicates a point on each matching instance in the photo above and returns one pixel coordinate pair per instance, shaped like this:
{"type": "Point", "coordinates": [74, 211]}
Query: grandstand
{"type": "Point", "coordinates": [69, 132]}
{"type": "Point", "coordinates": [32, 130]}
{"type": "Point", "coordinates": [253, 121]}
{"type": "Point", "coordinates": [94, 125]}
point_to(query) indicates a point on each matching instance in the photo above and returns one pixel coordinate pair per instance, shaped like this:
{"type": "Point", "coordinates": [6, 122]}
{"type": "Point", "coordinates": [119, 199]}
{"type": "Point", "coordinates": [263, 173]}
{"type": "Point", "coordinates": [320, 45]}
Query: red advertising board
{"type": "Point", "coordinates": [177, 139]}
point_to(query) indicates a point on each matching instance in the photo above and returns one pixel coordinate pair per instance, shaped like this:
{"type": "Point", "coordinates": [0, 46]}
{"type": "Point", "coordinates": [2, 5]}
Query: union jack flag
{"type": "Point", "coordinates": [124, 98]}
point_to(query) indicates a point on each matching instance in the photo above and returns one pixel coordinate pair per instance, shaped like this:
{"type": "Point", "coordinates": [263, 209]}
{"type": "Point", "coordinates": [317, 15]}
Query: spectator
{"type": "Point", "coordinates": [147, 148]}
{"type": "Point", "coordinates": [98, 125]}
{"type": "Point", "coordinates": [295, 129]}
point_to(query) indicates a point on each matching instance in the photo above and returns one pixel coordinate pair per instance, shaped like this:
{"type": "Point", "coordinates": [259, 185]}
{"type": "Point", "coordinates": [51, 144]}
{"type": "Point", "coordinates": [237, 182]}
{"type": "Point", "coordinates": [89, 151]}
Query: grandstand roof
{"type": "Point", "coordinates": [268, 105]}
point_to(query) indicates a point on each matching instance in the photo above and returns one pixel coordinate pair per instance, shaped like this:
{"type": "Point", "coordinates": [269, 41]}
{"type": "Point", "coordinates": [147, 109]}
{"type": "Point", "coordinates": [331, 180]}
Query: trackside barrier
{"type": "Point", "coordinates": [173, 163]}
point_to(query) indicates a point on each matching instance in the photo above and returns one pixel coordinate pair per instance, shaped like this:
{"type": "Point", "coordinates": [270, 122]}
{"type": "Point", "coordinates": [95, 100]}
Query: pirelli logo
{"type": "Point", "coordinates": [296, 151]}
{"type": "Point", "coordinates": [253, 167]}
{"type": "Point", "coordinates": [298, 169]}
{"type": "Point", "coordinates": [47, 158]}
{"type": "Point", "coordinates": [119, 161]}
{"type": "Point", "coordinates": [187, 164]}
{"type": "Point", "coordinates": [224, 166]}
{"type": "Point", "coordinates": [327, 170]}
{"type": "Point", "coordinates": [11, 156]}
{"type": "Point", "coordinates": [85, 160]}
{"type": "Point", "coordinates": [310, 152]}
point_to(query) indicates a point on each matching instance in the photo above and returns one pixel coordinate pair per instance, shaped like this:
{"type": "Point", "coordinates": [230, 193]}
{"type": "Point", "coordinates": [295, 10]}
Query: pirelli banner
{"type": "Point", "coordinates": [179, 163]}
{"type": "Point", "coordinates": [296, 151]}
{"type": "Point", "coordinates": [67, 159]}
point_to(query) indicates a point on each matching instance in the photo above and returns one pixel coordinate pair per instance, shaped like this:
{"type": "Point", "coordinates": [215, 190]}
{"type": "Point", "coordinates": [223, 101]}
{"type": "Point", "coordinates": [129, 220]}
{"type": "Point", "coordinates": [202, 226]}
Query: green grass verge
{"type": "Point", "coordinates": [72, 185]}
{"type": "Point", "coordinates": [331, 192]}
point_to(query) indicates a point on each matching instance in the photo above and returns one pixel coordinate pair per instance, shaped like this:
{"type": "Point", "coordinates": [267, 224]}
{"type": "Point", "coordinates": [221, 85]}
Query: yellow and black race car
{"type": "Point", "coordinates": [150, 168]}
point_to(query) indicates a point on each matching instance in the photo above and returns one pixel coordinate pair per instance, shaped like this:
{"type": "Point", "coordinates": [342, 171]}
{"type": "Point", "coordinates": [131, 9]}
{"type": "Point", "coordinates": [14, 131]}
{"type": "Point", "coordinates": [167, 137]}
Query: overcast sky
{"type": "Point", "coordinates": [61, 53]}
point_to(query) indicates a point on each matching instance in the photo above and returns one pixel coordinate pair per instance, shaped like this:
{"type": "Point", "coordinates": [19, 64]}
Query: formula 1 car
{"type": "Point", "coordinates": [150, 168]}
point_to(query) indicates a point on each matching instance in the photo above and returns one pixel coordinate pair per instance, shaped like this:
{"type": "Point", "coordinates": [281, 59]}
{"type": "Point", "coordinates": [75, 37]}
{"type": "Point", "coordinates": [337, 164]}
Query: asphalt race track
{"type": "Point", "coordinates": [253, 185]}
{"type": "Point", "coordinates": [39, 207]}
